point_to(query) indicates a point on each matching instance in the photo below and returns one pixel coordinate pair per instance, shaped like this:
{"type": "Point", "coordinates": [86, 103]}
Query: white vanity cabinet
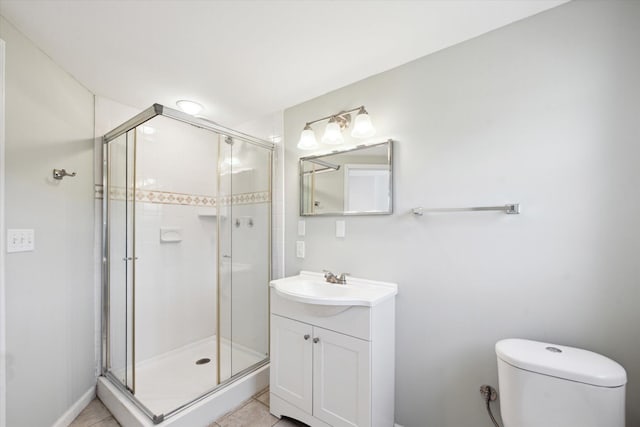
{"type": "Point", "coordinates": [322, 372]}
{"type": "Point", "coordinates": [332, 365]}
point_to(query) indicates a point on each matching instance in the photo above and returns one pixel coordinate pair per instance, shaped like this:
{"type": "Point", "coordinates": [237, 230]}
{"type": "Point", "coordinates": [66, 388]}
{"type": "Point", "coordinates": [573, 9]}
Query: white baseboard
{"type": "Point", "coordinates": [71, 414]}
{"type": "Point", "coordinates": [397, 425]}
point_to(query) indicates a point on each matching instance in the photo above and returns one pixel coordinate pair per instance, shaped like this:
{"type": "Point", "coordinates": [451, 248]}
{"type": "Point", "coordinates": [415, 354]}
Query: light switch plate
{"type": "Point", "coordinates": [340, 228]}
{"type": "Point", "coordinates": [20, 240]}
{"type": "Point", "coordinates": [301, 227]}
{"type": "Point", "coordinates": [300, 249]}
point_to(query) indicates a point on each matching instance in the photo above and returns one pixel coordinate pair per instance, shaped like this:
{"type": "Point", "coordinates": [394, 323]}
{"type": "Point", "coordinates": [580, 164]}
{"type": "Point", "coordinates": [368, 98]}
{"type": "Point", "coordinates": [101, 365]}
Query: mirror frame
{"type": "Point", "coordinates": [389, 144]}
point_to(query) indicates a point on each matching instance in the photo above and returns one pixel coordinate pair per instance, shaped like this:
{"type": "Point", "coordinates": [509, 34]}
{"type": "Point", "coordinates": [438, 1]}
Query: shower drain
{"type": "Point", "coordinates": [203, 361]}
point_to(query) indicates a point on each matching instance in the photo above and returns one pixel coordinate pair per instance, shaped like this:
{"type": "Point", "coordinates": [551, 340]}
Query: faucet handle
{"type": "Point", "coordinates": [342, 278]}
{"type": "Point", "coordinates": [329, 277]}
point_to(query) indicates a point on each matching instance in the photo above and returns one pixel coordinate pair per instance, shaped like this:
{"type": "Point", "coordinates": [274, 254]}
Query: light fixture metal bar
{"type": "Point", "coordinates": [341, 113]}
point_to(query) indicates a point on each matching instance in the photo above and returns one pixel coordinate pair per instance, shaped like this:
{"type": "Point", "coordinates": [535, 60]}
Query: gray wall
{"type": "Point", "coordinates": [543, 112]}
{"type": "Point", "coordinates": [49, 292]}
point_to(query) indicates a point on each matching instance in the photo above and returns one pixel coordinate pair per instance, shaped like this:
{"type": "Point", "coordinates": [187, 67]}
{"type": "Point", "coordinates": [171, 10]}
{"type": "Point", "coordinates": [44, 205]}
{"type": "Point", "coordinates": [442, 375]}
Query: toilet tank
{"type": "Point", "coordinates": [548, 385]}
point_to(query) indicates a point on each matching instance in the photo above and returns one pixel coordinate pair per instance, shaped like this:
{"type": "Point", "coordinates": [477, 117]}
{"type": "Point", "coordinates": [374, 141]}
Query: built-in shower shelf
{"type": "Point", "coordinates": [209, 212]}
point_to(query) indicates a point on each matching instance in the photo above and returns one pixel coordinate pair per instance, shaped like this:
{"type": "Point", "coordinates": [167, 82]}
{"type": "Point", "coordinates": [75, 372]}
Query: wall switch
{"type": "Point", "coordinates": [301, 227]}
{"type": "Point", "coordinates": [340, 228]}
{"type": "Point", "coordinates": [20, 240]}
{"type": "Point", "coordinates": [300, 249]}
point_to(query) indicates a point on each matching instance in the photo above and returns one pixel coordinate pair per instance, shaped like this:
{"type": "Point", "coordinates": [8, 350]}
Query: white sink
{"type": "Point", "coordinates": [311, 288]}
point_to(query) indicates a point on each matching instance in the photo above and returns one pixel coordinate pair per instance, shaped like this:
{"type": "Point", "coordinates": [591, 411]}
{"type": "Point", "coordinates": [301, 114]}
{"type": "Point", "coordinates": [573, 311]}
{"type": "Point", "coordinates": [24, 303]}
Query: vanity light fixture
{"type": "Point", "coordinates": [189, 107]}
{"type": "Point", "coordinates": [362, 128]}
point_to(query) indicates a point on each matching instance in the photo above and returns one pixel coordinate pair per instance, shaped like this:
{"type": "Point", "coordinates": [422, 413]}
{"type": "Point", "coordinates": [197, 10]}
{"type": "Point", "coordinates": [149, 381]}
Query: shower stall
{"type": "Point", "coordinates": [186, 255]}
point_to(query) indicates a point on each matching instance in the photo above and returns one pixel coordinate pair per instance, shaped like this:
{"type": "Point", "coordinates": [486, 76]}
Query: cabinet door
{"type": "Point", "coordinates": [342, 379]}
{"type": "Point", "coordinates": [291, 359]}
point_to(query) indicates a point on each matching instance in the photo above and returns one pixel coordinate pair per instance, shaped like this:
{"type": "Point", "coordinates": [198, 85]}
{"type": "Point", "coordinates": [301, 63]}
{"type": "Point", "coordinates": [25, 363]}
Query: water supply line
{"type": "Point", "coordinates": [489, 394]}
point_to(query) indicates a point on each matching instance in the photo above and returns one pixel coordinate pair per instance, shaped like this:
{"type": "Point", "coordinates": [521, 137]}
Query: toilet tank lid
{"type": "Point", "coordinates": [560, 361]}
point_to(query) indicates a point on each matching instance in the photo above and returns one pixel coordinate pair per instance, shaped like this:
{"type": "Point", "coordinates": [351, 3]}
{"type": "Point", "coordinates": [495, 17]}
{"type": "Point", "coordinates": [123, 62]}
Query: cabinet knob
{"type": "Point", "coordinates": [315, 340]}
{"type": "Point", "coordinates": [307, 336]}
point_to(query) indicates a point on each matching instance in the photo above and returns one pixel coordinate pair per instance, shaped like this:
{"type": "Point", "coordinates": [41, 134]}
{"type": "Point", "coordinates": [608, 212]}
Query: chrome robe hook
{"type": "Point", "coordinates": [61, 173]}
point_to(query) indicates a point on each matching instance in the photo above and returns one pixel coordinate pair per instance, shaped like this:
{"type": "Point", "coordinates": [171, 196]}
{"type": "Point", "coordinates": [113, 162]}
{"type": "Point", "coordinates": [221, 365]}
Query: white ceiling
{"type": "Point", "coordinates": [245, 59]}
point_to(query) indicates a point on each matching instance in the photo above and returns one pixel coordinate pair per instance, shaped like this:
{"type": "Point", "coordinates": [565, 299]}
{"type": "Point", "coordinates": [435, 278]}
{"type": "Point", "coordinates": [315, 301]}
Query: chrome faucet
{"type": "Point", "coordinates": [341, 279]}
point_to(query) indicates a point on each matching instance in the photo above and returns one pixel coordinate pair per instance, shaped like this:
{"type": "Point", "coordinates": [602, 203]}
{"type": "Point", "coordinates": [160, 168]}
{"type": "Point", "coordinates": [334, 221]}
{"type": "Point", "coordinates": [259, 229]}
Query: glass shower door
{"type": "Point", "coordinates": [225, 257]}
{"type": "Point", "coordinates": [118, 193]}
{"type": "Point", "coordinates": [175, 269]}
{"type": "Point", "coordinates": [245, 202]}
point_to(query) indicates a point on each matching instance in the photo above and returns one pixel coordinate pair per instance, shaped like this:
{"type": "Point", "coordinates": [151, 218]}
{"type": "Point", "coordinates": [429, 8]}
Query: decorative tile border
{"type": "Point", "coordinates": [171, 198]}
{"type": "Point", "coordinates": [245, 198]}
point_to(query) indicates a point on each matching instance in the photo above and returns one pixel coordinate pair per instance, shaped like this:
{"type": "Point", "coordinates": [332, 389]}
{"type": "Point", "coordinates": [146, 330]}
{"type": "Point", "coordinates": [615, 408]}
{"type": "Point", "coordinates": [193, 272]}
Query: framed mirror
{"type": "Point", "coordinates": [356, 181]}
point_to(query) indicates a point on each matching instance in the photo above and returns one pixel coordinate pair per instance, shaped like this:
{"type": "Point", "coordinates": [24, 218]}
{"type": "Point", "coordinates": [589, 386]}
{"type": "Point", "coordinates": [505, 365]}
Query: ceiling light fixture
{"type": "Point", "coordinates": [362, 128]}
{"type": "Point", "coordinates": [189, 107]}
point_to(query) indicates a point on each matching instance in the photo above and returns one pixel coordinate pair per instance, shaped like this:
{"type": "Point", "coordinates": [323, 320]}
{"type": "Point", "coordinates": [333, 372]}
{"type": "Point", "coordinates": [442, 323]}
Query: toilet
{"type": "Point", "coordinates": [549, 385]}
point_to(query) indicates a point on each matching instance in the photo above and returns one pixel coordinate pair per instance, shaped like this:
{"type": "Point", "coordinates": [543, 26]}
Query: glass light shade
{"type": "Point", "coordinates": [362, 126]}
{"type": "Point", "coordinates": [333, 133]}
{"type": "Point", "coordinates": [189, 107]}
{"type": "Point", "coordinates": [307, 139]}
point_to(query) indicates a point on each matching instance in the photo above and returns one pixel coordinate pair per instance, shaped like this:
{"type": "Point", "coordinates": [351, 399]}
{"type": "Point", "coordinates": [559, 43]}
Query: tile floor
{"type": "Point", "coordinates": [252, 413]}
{"type": "Point", "coordinates": [95, 415]}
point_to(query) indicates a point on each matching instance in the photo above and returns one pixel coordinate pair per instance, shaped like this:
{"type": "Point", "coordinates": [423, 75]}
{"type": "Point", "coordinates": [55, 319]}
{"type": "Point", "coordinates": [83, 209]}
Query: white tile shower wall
{"type": "Point", "coordinates": [175, 281]}
{"type": "Point", "coordinates": [50, 300]}
{"type": "Point", "coordinates": [176, 157]}
{"type": "Point", "coordinates": [543, 112]}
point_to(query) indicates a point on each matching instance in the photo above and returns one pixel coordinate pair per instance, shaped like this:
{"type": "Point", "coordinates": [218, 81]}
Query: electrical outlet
{"type": "Point", "coordinates": [340, 228]}
{"type": "Point", "coordinates": [300, 249]}
{"type": "Point", "coordinates": [22, 240]}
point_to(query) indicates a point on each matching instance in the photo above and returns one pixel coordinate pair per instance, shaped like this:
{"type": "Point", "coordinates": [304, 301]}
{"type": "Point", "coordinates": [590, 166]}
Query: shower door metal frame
{"type": "Point", "coordinates": [199, 122]}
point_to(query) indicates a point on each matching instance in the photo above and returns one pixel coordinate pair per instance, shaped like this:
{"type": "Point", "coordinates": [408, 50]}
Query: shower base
{"type": "Point", "coordinates": [170, 380]}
